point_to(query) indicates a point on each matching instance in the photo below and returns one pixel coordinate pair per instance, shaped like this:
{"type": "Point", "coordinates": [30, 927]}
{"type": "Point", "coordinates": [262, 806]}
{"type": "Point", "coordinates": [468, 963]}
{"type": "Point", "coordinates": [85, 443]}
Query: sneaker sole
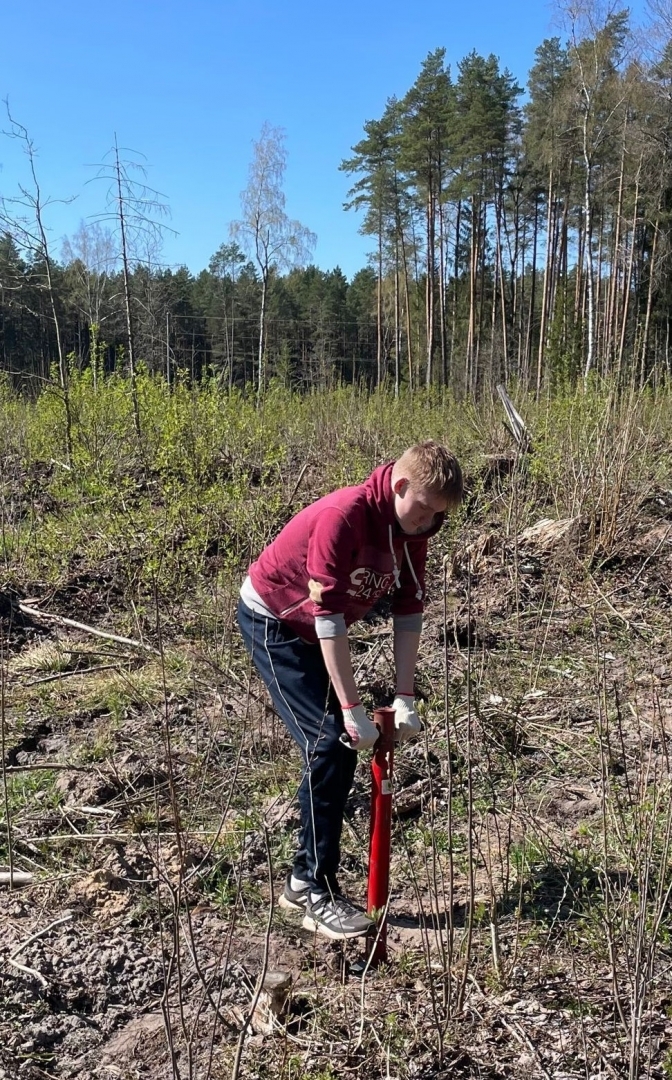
{"type": "Point", "coordinates": [290, 905]}
{"type": "Point", "coordinates": [320, 928]}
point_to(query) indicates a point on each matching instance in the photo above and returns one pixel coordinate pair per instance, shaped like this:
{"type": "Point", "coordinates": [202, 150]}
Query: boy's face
{"type": "Point", "coordinates": [416, 510]}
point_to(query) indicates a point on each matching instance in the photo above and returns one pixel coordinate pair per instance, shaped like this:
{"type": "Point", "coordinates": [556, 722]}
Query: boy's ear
{"type": "Point", "coordinates": [399, 486]}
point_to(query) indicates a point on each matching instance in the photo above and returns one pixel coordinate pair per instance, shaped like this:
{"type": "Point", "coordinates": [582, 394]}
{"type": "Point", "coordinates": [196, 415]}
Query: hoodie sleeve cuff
{"type": "Point", "coordinates": [412, 623]}
{"type": "Point", "coordinates": [330, 626]}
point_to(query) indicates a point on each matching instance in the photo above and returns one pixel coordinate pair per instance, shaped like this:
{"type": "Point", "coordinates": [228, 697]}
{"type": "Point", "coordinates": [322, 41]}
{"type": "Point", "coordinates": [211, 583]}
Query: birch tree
{"type": "Point", "coordinates": [90, 260]}
{"type": "Point", "coordinates": [264, 230]}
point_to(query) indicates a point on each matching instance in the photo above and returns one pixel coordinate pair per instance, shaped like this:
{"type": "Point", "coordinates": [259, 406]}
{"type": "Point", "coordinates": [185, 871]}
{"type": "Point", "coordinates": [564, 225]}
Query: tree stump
{"type": "Point", "coordinates": [273, 1001]}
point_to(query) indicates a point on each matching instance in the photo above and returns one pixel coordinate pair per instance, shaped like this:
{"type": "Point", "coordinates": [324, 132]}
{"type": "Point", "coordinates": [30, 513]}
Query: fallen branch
{"type": "Point", "coordinates": [44, 765]}
{"type": "Point", "coordinates": [113, 838]}
{"type": "Point", "coordinates": [97, 811]}
{"type": "Point", "coordinates": [60, 620]}
{"type": "Point", "coordinates": [15, 877]}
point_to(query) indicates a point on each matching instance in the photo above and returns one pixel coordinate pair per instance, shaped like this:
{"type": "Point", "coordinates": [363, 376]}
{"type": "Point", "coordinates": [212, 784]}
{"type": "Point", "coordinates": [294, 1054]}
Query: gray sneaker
{"type": "Point", "coordinates": [293, 899]}
{"type": "Point", "coordinates": [336, 917]}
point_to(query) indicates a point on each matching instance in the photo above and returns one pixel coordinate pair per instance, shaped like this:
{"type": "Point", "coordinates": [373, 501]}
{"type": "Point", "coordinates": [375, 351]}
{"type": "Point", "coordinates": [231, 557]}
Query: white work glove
{"type": "Point", "coordinates": [360, 732]}
{"type": "Point", "coordinates": [406, 720]}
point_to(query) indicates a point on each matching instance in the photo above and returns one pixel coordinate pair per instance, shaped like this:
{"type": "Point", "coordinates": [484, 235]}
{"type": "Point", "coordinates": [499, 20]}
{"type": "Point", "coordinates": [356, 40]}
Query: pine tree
{"type": "Point", "coordinates": [427, 146]}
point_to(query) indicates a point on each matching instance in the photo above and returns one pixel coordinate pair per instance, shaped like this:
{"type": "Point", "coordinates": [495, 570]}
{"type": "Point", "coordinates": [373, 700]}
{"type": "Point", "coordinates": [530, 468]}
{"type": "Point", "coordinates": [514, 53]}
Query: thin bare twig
{"type": "Point", "coordinates": [69, 674]}
{"type": "Point", "coordinates": [29, 971]}
{"type": "Point", "coordinates": [520, 1036]}
{"type": "Point", "coordinates": [3, 755]}
{"type": "Point", "coordinates": [264, 963]}
{"type": "Point", "coordinates": [40, 934]}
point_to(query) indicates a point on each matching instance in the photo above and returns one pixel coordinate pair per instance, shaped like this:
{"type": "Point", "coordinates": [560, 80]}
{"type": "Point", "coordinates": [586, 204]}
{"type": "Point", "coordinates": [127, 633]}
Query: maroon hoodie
{"type": "Point", "coordinates": [339, 555]}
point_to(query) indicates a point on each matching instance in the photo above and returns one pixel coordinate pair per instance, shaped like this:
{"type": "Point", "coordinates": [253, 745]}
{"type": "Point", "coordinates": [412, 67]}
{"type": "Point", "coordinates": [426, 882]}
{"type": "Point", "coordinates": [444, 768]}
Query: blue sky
{"type": "Point", "coordinates": [189, 85]}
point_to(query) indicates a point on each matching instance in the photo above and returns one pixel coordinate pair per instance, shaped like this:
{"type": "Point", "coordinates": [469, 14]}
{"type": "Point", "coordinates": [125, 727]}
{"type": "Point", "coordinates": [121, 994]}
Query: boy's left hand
{"type": "Point", "coordinates": [406, 720]}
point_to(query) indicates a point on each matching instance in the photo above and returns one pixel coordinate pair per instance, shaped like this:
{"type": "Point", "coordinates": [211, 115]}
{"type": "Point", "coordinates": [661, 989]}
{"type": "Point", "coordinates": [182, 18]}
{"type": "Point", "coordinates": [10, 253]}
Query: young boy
{"type": "Point", "coordinates": [326, 569]}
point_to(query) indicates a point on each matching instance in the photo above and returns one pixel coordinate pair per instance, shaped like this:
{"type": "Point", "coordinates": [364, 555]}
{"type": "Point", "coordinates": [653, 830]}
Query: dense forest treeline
{"type": "Point", "coordinates": [510, 240]}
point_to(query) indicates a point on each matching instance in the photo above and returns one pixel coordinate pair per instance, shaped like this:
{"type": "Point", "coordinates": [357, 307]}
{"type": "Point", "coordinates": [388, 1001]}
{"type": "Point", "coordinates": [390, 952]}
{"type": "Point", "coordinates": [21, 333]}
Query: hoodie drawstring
{"type": "Point", "coordinates": [418, 590]}
{"type": "Point", "coordinates": [397, 579]}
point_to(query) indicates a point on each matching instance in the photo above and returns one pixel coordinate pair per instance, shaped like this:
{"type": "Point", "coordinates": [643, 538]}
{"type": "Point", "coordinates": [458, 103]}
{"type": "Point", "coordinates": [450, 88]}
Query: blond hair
{"type": "Point", "coordinates": [428, 466]}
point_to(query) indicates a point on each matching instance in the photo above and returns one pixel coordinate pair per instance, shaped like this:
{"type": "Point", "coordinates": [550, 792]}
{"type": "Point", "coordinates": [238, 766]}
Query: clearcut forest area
{"type": "Point", "coordinates": [148, 788]}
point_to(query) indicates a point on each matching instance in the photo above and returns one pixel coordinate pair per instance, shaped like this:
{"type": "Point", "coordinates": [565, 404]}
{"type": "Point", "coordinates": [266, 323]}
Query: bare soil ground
{"type": "Point", "coordinates": [152, 799]}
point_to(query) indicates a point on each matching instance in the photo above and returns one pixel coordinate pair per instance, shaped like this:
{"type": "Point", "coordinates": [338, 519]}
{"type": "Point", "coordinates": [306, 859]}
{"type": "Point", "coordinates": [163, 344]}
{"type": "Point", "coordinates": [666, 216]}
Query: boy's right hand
{"type": "Point", "coordinates": [360, 732]}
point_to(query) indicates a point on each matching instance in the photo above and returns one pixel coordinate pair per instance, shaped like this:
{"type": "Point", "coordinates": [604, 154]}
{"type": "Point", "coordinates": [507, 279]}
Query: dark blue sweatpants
{"type": "Point", "coordinates": [299, 685]}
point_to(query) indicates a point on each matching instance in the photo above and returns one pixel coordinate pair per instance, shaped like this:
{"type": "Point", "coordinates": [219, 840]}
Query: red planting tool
{"type": "Point", "coordinates": [382, 764]}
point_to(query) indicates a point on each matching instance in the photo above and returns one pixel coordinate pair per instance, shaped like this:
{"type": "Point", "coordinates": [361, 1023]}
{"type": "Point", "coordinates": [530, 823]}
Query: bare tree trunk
{"type": "Point", "coordinates": [418, 320]}
{"type": "Point", "coordinates": [471, 329]}
{"type": "Point", "coordinates": [407, 300]}
{"type": "Point", "coordinates": [456, 271]}
{"type": "Point", "coordinates": [379, 310]}
{"type": "Point", "coordinates": [499, 225]}
{"type": "Point", "coordinates": [610, 333]}
{"type": "Point", "coordinates": [545, 289]}
{"type": "Point", "coordinates": [599, 313]}
{"type": "Point", "coordinates": [262, 338]}
{"type": "Point", "coordinates": [493, 321]}
{"type": "Point", "coordinates": [230, 348]}
{"type": "Point", "coordinates": [527, 351]}
{"type": "Point", "coordinates": [483, 232]}
{"type": "Point", "coordinates": [430, 285]}
{"type": "Point", "coordinates": [517, 282]}
{"type": "Point", "coordinates": [128, 305]}
{"type": "Point", "coordinates": [628, 281]}
{"type": "Point", "coordinates": [442, 295]}
{"type": "Point", "coordinates": [649, 296]}
{"type": "Point", "coordinates": [397, 325]}
{"type": "Point", "coordinates": [590, 279]}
